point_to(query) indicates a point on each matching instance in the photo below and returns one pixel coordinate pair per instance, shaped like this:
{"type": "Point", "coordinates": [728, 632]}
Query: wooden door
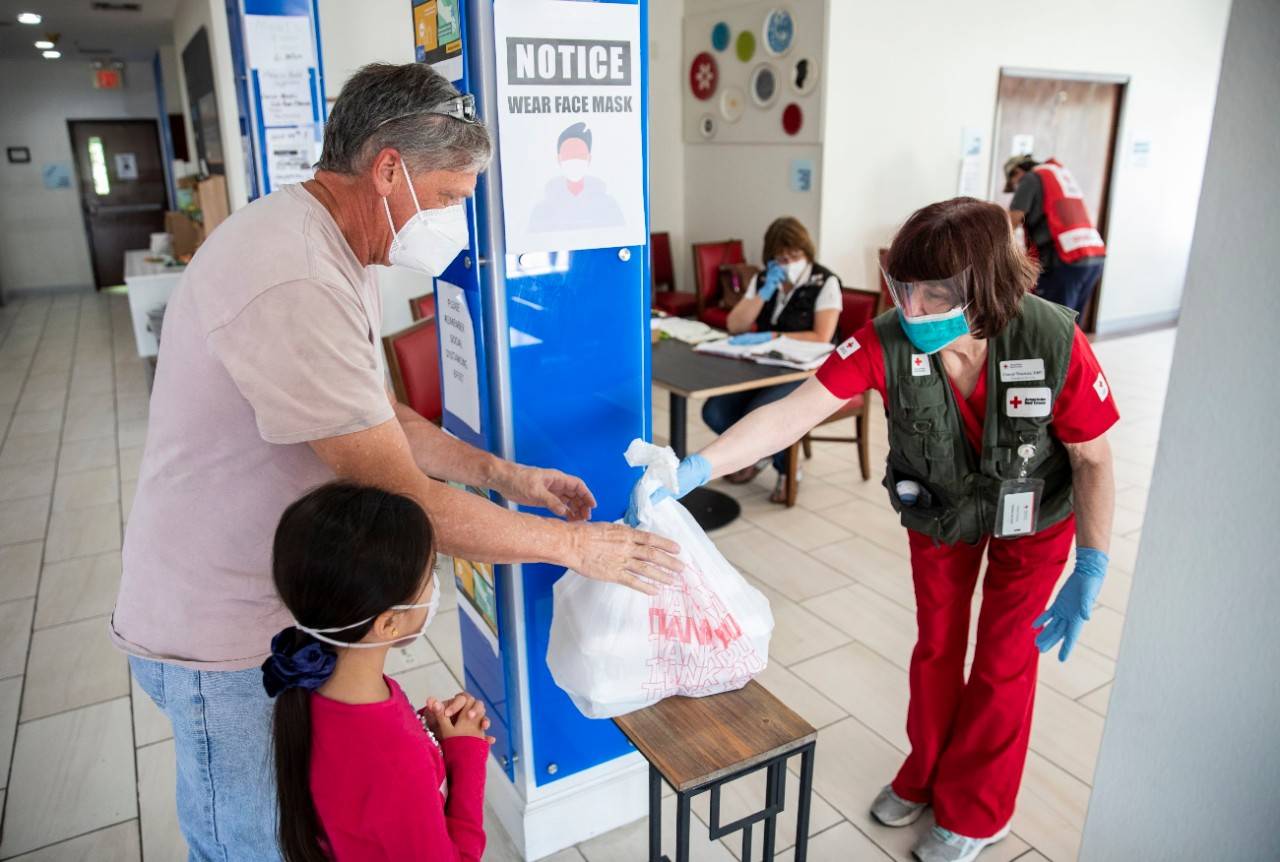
{"type": "Point", "coordinates": [1074, 121]}
{"type": "Point", "coordinates": [122, 190]}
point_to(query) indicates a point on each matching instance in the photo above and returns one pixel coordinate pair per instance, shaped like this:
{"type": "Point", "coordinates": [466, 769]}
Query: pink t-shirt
{"type": "Point", "coordinates": [270, 340]}
{"type": "Point", "coordinates": [375, 782]}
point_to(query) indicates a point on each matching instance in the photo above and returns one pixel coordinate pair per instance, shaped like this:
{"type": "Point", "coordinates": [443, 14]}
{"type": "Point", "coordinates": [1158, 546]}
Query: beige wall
{"type": "Point", "coordinates": [42, 238]}
{"type": "Point", "coordinates": [904, 79]}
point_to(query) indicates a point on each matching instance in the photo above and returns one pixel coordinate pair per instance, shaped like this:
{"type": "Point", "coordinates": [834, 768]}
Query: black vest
{"type": "Point", "coordinates": [926, 437]}
{"type": "Point", "coordinates": [797, 314]}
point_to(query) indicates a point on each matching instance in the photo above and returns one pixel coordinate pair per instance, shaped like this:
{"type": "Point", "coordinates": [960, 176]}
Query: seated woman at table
{"type": "Point", "coordinates": [795, 296]}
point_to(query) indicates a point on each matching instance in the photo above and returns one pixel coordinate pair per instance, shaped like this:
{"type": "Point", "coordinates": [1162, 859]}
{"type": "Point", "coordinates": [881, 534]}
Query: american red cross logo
{"type": "Point", "coordinates": [1016, 402]}
{"type": "Point", "coordinates": [919, 360]}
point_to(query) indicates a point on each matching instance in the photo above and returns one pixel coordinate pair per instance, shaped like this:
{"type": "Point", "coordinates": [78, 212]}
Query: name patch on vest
{"type": "Point", "coordinates": [1028, 402]}
{"type": "Point", "coordinates": [1019, 370]}
{"type": "Point", "coordinates": [920, 365]}
{"type": "Point", "coordinates": [849, 347]}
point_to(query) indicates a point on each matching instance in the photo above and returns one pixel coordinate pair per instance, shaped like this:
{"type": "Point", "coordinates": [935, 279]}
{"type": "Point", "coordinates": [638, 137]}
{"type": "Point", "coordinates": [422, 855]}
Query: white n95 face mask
{"type": "Point", "coordinates": [432, 605]}
{"type": "Point", "coordinates": [574, 169]}
{"type": "Point", "coordinates": [794, 270]}
{"type": "Point", "coordinates": [430, 239]}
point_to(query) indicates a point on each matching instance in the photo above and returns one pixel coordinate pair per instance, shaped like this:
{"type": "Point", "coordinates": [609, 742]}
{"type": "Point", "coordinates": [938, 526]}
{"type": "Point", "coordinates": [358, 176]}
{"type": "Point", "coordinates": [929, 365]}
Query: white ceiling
{"type": "Point", "coordinates": [85, 31]}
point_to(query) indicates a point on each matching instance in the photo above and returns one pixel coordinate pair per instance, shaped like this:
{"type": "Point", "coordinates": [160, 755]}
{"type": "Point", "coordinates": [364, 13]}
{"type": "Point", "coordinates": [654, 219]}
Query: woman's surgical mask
{"type": "Point", "coordinates": [430, 240]}
{"type": "Point", "coordinates": [574, 170]}
{"type": "Point", "coordinates": [932, 312]}
{"type": "Point", "coordinates": [432, 605]}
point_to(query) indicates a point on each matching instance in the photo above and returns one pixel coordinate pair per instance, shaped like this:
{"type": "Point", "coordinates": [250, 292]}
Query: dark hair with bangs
{"type": "Point", "coordinates": [787, 233]}
{"type": "Point", "coordinates": [943, 239]}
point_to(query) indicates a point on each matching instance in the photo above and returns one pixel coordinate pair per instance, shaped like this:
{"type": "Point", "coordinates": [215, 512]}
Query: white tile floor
{"type": "Point", "coordinates": [86, 761]}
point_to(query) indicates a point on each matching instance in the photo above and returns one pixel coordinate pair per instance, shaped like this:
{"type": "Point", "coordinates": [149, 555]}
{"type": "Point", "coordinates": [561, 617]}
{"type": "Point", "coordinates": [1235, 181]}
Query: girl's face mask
{"type": "Point", "coordinates": [432, 605]}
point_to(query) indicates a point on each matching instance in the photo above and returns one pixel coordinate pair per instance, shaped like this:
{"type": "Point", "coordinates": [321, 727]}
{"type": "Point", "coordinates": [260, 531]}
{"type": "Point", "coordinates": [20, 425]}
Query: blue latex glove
{"type": "Point", "coordinates": [694, 472]}
{"type": "Point", "coordinates": [1073, 604]}
{"type": "Point", "coordinates": [751, 338]}
{"type": "Point", "coordinates": [768, 283]}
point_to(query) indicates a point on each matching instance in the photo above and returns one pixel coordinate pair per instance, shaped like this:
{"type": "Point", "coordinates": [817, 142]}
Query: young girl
{"type": "Point", "coordinates": [358, 773]}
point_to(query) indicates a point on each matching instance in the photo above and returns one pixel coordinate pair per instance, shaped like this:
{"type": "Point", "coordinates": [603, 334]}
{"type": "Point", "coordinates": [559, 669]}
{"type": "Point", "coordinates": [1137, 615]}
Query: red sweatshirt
{"type": "Point", "coordinates": [376, 781]}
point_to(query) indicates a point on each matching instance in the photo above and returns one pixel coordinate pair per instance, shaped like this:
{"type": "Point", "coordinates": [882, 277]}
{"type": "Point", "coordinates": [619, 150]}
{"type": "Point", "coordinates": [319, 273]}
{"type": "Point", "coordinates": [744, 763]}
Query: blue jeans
{"type": "Point", "coordinates": [226, 777]}
{"type": "Point", "coordinates": [721, 411]}
{"type": "Point", "coordinates": [1069, 285]}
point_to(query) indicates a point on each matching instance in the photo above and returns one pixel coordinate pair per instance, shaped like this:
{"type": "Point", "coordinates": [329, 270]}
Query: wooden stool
{"type": "Point", "coordinates": [699, 744]}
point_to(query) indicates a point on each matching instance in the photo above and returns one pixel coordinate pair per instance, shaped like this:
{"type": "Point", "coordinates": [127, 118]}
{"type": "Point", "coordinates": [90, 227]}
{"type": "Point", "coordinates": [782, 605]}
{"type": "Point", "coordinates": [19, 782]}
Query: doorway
{"type": "Point", "coordinates": [122, 190]}
{"type": "Point", "coordinates": [1074, 119]}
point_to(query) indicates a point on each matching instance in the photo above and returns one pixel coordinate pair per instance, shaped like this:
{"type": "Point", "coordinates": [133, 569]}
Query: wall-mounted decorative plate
{"type": "Point", "coordinates": [746, 46]}
{"type": "Point", "coordinates": [779, 32]}
{"type": "Point", "coordinates": [792, 119]}
{"type": "Point", "coordinates": [707, 127]}
{"type": "Point", "coordinates": [804, 75]}
{"type": "Point", "coordinates": [764, 85]}
{"type": "Point", "coordinates": [720, 36]}
{"type": "Point", "coordinates": [703, 76]}
{"type": "Point", "coordinates": [732, 103]}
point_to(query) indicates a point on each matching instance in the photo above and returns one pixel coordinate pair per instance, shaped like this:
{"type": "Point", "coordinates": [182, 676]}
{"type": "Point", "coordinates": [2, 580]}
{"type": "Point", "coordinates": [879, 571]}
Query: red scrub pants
{"type": "Point", "coordinates": [969, 739]}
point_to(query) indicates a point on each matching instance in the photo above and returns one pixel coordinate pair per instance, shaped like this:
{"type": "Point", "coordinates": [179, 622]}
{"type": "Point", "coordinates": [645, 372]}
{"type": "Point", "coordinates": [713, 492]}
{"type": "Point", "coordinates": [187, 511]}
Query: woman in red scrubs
{"type": "Point", "coordinates": [997, 414]}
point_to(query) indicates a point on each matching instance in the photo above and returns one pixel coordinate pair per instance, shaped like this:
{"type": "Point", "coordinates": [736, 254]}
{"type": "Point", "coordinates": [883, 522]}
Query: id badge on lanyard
{"type": "Point", "coordinates": [1018, 505]}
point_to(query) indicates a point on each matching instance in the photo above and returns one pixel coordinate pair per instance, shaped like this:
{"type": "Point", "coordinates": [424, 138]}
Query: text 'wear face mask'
{"type": "Point", "coordinates": [430, 239]}
{"type": "Point", "coordinates": [932, 313]}
{"type": "Point", "coordinates": [431, 605]}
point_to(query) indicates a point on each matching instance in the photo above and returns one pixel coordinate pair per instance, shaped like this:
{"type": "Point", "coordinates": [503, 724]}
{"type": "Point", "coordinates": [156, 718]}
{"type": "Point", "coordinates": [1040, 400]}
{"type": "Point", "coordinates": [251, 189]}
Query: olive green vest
{"type": "Point", "coordinates": [926, 436]}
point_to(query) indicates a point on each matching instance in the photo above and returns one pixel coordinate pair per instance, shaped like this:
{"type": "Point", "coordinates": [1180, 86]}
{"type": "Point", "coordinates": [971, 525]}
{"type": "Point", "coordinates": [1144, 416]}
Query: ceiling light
{"type": "Point", "coordinates": [52, 55]}
{"type": "Point", "coordinates": [29, 18]}
{"type": "Point", "coordinates": [44, 45]}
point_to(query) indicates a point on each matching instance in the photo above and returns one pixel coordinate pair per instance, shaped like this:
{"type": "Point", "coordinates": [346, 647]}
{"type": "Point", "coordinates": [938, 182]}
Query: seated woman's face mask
{"type": "Point", "coordinates": [430, 240]}
{"type": "Point", "coordinates": [932, 313]}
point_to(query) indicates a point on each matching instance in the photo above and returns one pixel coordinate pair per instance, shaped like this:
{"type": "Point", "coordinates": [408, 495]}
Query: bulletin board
{"type": "Point", "coordinates": [277, 45]}
{"type": "Point", "coordinates": [752, 74]}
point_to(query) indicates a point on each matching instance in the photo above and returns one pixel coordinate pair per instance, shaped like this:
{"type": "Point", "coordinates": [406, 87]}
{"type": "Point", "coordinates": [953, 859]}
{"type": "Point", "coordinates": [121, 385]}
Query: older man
{"type": "Point", "coordinates": [270, 381]}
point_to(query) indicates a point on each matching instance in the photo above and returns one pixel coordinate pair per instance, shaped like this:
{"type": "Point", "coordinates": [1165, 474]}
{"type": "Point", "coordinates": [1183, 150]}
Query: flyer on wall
{"type": "Point", "coordinates": [569, 114]}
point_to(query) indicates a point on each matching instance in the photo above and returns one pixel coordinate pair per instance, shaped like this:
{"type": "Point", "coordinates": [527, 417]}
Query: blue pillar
{"type": "Point", "coordinates": [561, 376]}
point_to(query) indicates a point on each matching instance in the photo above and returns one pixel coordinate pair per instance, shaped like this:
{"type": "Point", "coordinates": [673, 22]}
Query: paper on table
{"type": "Point", "coordinates": [787, 352]}
{"type": "Point", "coordinates": [688, 331]}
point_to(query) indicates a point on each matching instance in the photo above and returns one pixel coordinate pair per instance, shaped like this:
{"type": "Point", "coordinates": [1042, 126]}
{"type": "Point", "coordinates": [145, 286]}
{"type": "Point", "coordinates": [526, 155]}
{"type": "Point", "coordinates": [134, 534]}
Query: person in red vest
{"type": "Point", "coordinates": [1049, 207]}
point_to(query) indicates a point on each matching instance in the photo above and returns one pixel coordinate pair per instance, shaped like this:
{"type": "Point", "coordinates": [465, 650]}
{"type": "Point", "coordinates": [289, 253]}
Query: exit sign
{"type": "Point", "coordinates": [108, 79]}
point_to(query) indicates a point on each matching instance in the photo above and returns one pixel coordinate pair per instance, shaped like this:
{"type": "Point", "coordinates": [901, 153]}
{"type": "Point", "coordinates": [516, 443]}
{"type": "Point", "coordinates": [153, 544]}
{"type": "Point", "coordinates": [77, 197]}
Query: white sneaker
{"type": "Point", "coordinates": [943, 845]}
{"type": "Point", "coordinates": [892, 810]}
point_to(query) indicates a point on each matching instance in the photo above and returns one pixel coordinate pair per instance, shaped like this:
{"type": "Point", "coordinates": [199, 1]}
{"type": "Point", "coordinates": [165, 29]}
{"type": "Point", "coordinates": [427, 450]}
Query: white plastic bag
{"type": "Point", "coordinates": [614, 650]}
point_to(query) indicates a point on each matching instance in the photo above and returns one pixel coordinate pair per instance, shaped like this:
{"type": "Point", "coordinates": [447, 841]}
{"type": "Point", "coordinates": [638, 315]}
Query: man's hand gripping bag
{"type": "Point", "coordinates": [614, 650]}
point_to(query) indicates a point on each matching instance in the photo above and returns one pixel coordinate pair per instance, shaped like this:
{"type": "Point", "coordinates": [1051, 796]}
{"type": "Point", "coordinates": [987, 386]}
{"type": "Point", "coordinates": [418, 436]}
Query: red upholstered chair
{"type": "Point", "coordinates": [413, 358]}
{"type": "Point", "coordinates": [422, 307]}
{"type": "Point", "coordinates": [664, 295]}
{"type": "Point", "coordinates": [859, 307]}
{"type": "Point", "coordinates": [707, 258]}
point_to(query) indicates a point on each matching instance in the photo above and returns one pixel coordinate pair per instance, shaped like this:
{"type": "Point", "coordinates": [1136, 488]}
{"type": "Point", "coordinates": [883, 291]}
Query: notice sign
{"type": "Point", "coordinates": [569, 110]}
{"type": "Point", "coordinates": [458, 355]}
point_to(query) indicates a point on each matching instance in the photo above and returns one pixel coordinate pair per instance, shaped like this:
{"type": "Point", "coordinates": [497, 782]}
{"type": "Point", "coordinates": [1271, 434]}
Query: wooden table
{"type": "Point", "coordinates": [686, 374]}
{"type": "Point", "coordinates": [700, 744]}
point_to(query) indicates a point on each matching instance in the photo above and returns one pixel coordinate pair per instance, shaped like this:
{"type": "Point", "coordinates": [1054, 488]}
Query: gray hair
{"type": "Point", "coordinates": [383, 106]}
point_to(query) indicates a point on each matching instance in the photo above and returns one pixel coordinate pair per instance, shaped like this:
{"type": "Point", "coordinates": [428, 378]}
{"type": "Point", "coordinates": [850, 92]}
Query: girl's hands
{"type": "Point", "coordinates": [463, 715]}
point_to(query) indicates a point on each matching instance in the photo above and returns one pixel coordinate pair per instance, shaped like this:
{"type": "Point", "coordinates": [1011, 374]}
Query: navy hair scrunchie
{"type": "Point", "coordinates": [296, 661]}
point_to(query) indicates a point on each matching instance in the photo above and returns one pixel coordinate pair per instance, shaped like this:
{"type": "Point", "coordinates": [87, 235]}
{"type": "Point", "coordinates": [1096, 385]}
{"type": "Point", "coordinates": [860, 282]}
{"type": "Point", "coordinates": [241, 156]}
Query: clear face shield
{"type": "Point", "coordinates": [932, 312]}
